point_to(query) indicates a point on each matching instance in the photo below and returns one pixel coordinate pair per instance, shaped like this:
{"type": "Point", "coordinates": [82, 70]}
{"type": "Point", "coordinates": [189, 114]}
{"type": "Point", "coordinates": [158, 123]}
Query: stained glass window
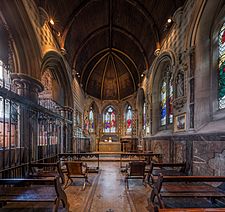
{"type": "Point", "coordinates": [109, 120]}
{"type": "Point", "coordinates": [163, 103]}
{"type": "Point", "coordinates": [170, 101]}
{"type": "Point", "coordinates": [128, 119]}
{"type": "Point", "coordinates": [4, 76]}
{"type": "Point", "coordinates": [221, 74]}
{"type": "Point", "coordinates": [166, 99]}
{"type": "Point", "coordinates": [86, 121]}
{"type": "Point", "coordinates": [144, 116]}
{"type": "Point", "coordinates": [91, 120]}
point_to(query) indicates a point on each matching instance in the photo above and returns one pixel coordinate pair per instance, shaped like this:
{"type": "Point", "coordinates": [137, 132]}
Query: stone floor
{"type": "Point", "coordinates": [106, 193]}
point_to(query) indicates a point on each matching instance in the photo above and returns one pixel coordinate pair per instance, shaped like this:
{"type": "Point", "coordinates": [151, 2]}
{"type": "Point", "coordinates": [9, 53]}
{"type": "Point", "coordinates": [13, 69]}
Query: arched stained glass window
{"type": "Point", "coordinates": [128, 119]}
{"type": "Point", "coordinates": [163, 103]}
{"type": "Point", "coordinates": [91, 120]}
{"type": "Point", "coordinates": [170, 101]}
{"type": "Point", "coordinates": [144, 115]}
{"type": "Point", "coordinates": [221, 73]}
{"type": "Point", "coordinates": [166, 99]}
{"type": "Point", "coordinates": [109, 120]}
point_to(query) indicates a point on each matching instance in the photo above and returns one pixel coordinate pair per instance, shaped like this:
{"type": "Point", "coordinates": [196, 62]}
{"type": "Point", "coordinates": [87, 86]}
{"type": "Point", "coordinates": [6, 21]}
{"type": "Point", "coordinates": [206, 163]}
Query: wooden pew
{"type": "Point", "coordinates": [166, 169]}
{"type": "Point", "coordinates": [192, 210]}
{"type": "Point", "coordinates": [45, 170]}
{"type": "Point", "coordinates": [186, 187]}
{"type": "Point", "coordinates": [84, 157]}
{"type": "Point", "coordinates": [128, 157]}
{"type": "Point", "coordinates": [33, 190]}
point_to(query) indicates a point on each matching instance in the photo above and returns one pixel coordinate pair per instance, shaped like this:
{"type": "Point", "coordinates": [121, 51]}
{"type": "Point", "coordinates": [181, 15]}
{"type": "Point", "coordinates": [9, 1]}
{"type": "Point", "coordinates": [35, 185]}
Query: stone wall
{"type": "Point", "coordinates": [205, 153]}
{"type": "Point", "coordinates": [209, 157]}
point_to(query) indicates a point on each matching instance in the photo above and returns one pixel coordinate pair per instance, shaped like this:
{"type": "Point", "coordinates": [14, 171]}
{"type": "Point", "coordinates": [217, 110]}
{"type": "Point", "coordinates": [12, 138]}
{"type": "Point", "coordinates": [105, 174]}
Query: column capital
{"type": "Point", "coordinates": [27, 86]}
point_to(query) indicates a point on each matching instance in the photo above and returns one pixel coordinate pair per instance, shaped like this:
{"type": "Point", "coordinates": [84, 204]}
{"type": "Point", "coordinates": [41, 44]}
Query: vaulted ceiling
{"type": "Point", "coordinates": [110, 43]}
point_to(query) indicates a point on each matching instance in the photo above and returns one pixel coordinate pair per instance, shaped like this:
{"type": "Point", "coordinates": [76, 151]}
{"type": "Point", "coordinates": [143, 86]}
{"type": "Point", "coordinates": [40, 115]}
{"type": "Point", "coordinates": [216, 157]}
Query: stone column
{"type": "Point", "coordinates": [28, 88]}
{"type": "Point", "coordinates": [68, 129]}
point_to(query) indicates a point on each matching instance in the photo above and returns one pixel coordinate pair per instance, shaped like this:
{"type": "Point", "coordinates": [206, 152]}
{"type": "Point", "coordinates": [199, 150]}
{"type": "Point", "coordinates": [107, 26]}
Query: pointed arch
{"type": "Point", "coordinates": [28, 51]}
{"type": "Point", "coordinates": [54, 61]}
{"type": "Point", "coordinates": [161, 91]}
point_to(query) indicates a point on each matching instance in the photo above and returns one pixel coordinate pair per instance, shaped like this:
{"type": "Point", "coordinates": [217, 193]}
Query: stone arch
{"type": "Point", "coordinates": [166, 58]}
{"type": "Point", "coordinates": [54, 61]}
{"type": "Point", "coordinates": [27, 51]}
{"type": "Point", "coordinates": [204, 42]}
{"type": "Point", "coordinates": [214, 31]}
{"type": "Point", "coordinates": [96, 108]}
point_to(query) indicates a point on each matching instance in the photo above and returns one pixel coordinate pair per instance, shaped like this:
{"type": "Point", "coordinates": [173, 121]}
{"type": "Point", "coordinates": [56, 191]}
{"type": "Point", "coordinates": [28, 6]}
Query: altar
{"type": "Point", "coordinates": [109, 147]}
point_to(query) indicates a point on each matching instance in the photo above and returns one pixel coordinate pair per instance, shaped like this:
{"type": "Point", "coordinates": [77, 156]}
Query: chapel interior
{"type": "Point", "coordinates": [112, 105]}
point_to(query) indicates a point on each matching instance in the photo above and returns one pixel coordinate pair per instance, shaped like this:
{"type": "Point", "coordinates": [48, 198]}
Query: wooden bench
{"type": "Point", "coordinates": [84, 157]}
{"type": "Point", "coordinates": [192, 210]}
{"type": "Point", "coordinates": [33, 190]}
{"type": "Point", "coordinates": [186, 187]}
{"type": "Point", "coordinates": [166, 169]}
{"type": "Point", "coordinates": [45, 170]}
{"type": "Point", "coordinates": [128, 157]}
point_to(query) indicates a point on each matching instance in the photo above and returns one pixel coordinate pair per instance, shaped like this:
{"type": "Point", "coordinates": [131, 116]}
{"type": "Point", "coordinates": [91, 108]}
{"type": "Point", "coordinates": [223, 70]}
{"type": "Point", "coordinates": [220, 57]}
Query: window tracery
{"type": "Point", "coordinates": [221, 72]}
{"type": "Point", "coordinates": [109, 120]}
{"type": "Point", "coordinates": [128, 119]}
{"type": "Point", "coordinates": [166, 99]}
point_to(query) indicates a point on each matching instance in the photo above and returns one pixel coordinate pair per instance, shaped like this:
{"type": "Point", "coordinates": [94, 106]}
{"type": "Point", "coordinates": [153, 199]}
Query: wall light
{"type": "Point", "coordinates": [169, 20]}
{"type": "Point", "coordinates": [168, 24]}
{"type": "Point", "coordinates": [51, 21]}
